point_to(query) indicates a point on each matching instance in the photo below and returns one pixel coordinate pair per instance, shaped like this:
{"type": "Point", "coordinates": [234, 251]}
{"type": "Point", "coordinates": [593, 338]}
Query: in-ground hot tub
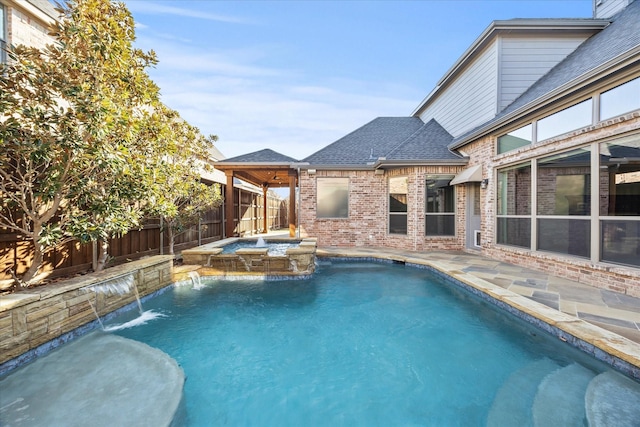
{"type": "Point", "coordinates": [242, 256]}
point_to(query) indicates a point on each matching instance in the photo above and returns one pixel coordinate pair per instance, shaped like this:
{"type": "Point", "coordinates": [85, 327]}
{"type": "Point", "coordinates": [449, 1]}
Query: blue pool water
{"type": "Point", "coordinates": [359, 344]}
{"type": "Point", "coordinates": [275, 248]}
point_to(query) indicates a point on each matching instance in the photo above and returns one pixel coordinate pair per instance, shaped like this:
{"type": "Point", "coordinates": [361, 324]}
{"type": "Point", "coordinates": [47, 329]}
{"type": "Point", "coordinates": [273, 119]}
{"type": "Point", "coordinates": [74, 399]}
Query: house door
{"type": "Point", "coordinates": [473, 215]}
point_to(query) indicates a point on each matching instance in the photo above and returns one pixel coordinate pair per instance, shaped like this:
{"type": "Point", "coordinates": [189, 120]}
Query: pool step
{"type": "Point", "coordinates": [560, 399]}
{"type": "Point", "coordinates": [613, 400]}
{"type": "Point", "coordinates": [512, 405]}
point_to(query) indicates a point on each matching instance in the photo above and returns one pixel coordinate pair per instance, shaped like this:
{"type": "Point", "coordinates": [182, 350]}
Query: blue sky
{"type": "Point", "coordinates": [295, 76]}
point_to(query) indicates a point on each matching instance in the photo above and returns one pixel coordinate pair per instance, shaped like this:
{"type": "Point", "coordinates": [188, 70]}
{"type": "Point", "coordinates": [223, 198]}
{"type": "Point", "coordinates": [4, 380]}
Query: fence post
{"type": "Point", "coordinates": [161, 238]}
{"type": "Point", "coordinates": [199, 231]}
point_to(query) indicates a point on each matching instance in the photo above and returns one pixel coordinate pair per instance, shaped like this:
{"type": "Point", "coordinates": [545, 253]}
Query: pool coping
{"type": "Point", "coordinates": [617, 351]}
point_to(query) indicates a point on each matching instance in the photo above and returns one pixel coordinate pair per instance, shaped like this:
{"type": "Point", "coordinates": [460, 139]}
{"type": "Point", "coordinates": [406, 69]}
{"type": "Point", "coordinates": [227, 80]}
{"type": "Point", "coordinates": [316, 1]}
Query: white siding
{"type": "Point", "coordinates": [524, 60]}
{"type": "Point", "coordinates": [471, 99]}
{"type": "Point", "coordinates": [608, 8]}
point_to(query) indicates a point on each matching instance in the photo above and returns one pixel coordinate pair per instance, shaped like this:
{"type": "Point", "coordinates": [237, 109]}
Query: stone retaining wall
{"type": "Point", "coordinates": [297, 261]}
{"type": "Point", "coordinates": [36, 316]}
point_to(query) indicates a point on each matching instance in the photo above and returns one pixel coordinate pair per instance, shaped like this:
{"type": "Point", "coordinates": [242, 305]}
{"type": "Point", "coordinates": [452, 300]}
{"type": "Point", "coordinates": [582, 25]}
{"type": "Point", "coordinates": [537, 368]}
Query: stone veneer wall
{"type": "Point", "coordinates": [36, 316]}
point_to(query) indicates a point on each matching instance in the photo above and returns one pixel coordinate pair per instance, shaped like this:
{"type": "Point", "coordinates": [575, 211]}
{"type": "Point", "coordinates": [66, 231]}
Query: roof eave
{"type": "Point", "coordinates": [606, 69]}
{"type": "Point", "coordinates": [231, 165]}
{"type": "Point", "coordinates": [383, 164]}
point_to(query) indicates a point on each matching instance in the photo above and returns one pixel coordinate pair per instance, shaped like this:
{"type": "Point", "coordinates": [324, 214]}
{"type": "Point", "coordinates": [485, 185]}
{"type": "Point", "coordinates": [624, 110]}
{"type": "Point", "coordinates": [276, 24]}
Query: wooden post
{"type": "Point", "coordinates": [228, 205]}
{"type": "Point", "coordinates": [292, 204]}
{"type": "Point", "coordinates": [265, 188]}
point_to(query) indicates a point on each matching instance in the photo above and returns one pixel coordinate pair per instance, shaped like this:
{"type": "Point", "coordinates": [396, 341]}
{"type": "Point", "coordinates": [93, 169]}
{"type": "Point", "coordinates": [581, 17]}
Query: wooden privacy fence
{"type": "Point", "coordinates": [16, 253]}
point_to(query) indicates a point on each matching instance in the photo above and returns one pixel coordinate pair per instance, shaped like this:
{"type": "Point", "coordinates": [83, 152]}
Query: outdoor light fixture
{"type": "Point", "coordinates": [484, 183]}
{"type": "Point", "coordinates": [311, 171]}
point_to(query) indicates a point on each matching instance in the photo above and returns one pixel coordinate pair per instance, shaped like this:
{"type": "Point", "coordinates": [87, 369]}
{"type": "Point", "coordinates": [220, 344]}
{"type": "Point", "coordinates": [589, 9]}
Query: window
{"type": "Point", "coordinates": [571, 118]}
{"type": "Point", "coordinates": [620, 201]}
{"type": "Point", "coordinates": [398, 190]}
{"type": "Point", "coordinates": [514, 206]}
{"type": "Point", "coordinates": [620, 100]}
{"type": "Point", "coordinates": [564, 203]}
{"type": "Point", "coordinates": [440, 206]}
{"type": "Point", "coordinates": [515, 139]}
{"type": "Point", "coordinates": [332, 198]}
{"type": "Point", "coordinates": [613, 102]}
{"type": "Point", "coordinates": [3, 36]}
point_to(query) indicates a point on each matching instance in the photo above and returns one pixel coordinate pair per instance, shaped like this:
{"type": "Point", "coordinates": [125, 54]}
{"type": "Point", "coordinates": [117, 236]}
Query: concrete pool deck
{"type": "Point", "coordinates": [586, 312]}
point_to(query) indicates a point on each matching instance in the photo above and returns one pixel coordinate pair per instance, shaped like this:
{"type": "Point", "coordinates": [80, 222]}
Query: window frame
{"type": "Point", "coordinates": [3, 33]}
{"type": "Point", "coordinates": [326, 179]}
{"type": "Point", "coordinates": [442, 214]}
{"type": "Point", "coordinates": [398, 214]}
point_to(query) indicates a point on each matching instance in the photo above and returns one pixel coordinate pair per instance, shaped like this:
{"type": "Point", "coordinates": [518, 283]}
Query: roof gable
{"type": "Point", "coordinates": [428, 143]}
{"type": "Point", "coordinates": [388, 139]}
{"type": "Point", "coordinates": [262, 156]}
{"type": "Point", "coordinates": [620, 38]}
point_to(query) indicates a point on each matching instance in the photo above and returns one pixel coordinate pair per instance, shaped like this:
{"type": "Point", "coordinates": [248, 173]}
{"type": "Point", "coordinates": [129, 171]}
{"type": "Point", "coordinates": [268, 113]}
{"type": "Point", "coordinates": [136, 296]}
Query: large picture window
{"type": "Point", "coordinates": [398, 190]}
{"type": "Point", "coordinates": [620, 201]}
{"type": "Point", "coordinates": [514, 206]}
{"type": "Point", "coordinates": [565, 191]}
{"type": "Point", "coordinates": [564, 203]}
{"type": "Point", "coordinates": [440, 211]}
{"type": "Point", "coordinates": [332, 198]}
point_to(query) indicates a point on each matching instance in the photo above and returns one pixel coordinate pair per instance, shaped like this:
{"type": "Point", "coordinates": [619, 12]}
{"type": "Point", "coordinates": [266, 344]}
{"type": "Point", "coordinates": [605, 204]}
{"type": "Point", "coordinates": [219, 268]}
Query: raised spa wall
{"type": "Point", "coordinates": [208, 260]}
{"type": "Point", "coordinates": [34, 317]}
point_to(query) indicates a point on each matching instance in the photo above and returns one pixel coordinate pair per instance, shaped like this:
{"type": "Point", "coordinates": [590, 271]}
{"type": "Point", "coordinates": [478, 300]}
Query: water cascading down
{"type": "Point", "coordinates": [120, 286]}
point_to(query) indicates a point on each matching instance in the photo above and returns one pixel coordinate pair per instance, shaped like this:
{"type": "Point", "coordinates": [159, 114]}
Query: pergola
{"type": "Point", "coordinates": [266, 169]}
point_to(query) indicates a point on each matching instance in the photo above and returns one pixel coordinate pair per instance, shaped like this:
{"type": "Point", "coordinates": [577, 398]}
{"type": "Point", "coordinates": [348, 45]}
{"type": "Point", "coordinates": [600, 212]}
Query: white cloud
{"type": "Point", "coordinates": [251, 107]}
{"type": "Point", "coordinates": [153, 8]}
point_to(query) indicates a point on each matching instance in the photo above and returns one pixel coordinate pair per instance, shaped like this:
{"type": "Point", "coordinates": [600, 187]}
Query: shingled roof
{"type": "Point", "coordinates": [392, 138]}
{"type": "Point", "coordinates": [262, 156]}
{"type": "Point", "coordinates": [621, 37]}
{"type": "Point", "coordinates": [427, 143]}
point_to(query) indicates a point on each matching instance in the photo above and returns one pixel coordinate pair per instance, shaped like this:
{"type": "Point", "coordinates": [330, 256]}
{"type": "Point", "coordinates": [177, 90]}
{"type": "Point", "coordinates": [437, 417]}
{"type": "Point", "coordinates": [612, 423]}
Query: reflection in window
{"type": "Point", "coordinates": [565, 236]}
{"type": "Point", "coordinates": [398, 189]}
{"type": "Point", "coordinates": [332, 198]}
{"type": "Point", "coordinates": [620, 198]}
{"type": "Point", "coordinates": [514, 206]}
{"type": "Point", "coordinates": [620, 100]}
{"type": "Point", "coordinates": [516, 139]}
{"type": "Point", "coordinates": [564, 183]}
{"type": "Point", "coordinates": [564, 189]}
{"type": "Point", "coordinates": [440, 206]}
{"type": "Point", "coordinates": [571, 118]}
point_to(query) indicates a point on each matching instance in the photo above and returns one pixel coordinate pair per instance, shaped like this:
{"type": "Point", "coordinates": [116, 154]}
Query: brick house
{"type": "Point", "coordinates": [507, 156]}
{"type": "Point", "coordinates": [25, 22]}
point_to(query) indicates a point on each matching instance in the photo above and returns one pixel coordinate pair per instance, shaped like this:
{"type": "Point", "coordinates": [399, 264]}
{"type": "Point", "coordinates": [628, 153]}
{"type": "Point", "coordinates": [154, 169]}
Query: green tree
{"type": "Point", "coordinates": [69, 119]}
{"type": "Point", "coordinates": [178, 195]}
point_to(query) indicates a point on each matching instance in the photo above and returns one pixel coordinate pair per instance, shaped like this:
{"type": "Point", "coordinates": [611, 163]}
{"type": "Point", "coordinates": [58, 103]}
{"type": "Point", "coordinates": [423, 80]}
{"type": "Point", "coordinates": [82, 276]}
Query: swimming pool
{"type": "Point", "coordinates": [366, 343]}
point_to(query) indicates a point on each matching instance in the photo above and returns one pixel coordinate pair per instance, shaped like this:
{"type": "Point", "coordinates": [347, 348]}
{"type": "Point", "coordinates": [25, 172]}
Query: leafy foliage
{"type": "Point", "coordinates": [85, 146]}
{"type": "Point", "coordinates": [176, 192]}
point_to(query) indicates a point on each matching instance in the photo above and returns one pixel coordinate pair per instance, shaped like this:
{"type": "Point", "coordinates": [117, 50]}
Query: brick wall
{"type": "Point", "coordinates": [367, 224]}
{"type": "Point", "coordinates": [27, 30]}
